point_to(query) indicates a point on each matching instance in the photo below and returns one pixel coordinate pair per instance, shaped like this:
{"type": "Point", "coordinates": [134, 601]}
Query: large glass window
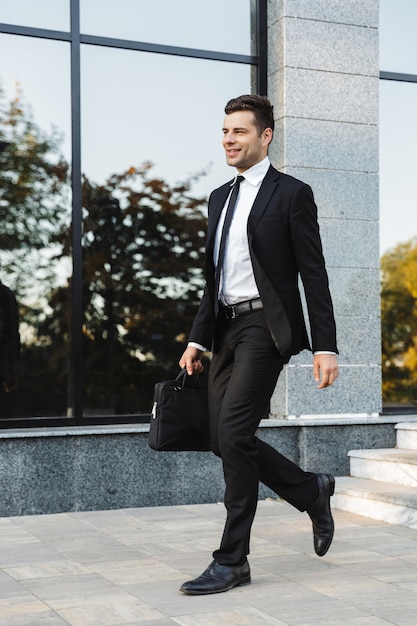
{"type": "Point", "coordinates": [213, 25]}
{"type": "Point", "coordinates": [398, 133]}
{"type": "Point", "coordinates": [107, 156]}
{"type": "Point", "coordinates": [51, 14]}
{"type": "Point", "coordinates": [398, 224]}
{"type": "Point", "coordinates": [154, 108]}
{"type": "Point", "coordinates": [398, 43]}
{"type": "Point", "coordinates": [35, 218]}
{"type": "Point", "coordinates": [398, 158]}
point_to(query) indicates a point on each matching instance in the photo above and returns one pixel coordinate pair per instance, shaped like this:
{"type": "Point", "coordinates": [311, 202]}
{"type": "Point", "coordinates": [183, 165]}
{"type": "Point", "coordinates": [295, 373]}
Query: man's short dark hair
{"type": "Point", "coordinates": [259, 105]}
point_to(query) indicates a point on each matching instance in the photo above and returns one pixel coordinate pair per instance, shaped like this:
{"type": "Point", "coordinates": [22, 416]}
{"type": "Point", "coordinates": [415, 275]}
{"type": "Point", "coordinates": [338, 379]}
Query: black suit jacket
{"type": "Point", "coordinates": [284, 243]}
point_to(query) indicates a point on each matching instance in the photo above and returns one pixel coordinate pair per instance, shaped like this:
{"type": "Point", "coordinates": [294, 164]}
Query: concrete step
{"type": "Point", "coordinates": [392, 465]}
{"type": "Point", "coordinates": [407, 435]}
{"type": "Point", "coordinates": [383, 501]}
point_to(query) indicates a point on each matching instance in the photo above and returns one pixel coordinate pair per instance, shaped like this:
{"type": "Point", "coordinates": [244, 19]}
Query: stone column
{"type": "Point", "coordinates": [323, 81]}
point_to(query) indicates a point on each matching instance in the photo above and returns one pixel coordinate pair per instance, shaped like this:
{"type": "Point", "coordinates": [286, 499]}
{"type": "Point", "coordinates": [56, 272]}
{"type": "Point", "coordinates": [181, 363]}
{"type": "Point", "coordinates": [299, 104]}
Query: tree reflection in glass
{"type": "Point", "coordinates": [34, 200]}
{"type": "Point", "coordinates": [143, 254]}
{"type": "Point", "coordinates": [143, 246]}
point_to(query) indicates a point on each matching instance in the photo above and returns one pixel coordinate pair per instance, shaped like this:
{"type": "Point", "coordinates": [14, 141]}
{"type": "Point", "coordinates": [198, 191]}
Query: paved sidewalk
{"type": "Point", "coordinates": [125, 567]}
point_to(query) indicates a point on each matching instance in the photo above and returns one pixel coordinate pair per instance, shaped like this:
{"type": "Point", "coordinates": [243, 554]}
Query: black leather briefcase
{"type": "Point", "coordinates": [179, 419]}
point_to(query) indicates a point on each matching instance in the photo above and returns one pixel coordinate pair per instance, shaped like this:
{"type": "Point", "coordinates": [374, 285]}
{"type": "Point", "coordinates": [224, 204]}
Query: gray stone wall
{"type": "Point", "coordinates": [323, 81]}
{"type": "Point", "coordinates": [112, 467]}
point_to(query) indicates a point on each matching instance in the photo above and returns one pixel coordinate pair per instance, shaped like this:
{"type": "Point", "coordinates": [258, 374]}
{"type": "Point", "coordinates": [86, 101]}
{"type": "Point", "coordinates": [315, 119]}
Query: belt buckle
{"type": "Point", "coordinates": [230, 312]}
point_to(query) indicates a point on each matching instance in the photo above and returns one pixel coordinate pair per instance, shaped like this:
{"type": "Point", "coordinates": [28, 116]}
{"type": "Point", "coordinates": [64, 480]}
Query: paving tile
{"type": "Point", "coordinates": [242, 617]}
{"type": "Point", "coordinates": [295, 604]}
{"type": "Point", "coordinates": [389, 570]}
{"type": "Point", "coordinates": [345, 554]}
{"type": "Point", "coordinates": [68, 591]}
{"type": "Point", "coordinates": [27, 611]}
{"type": "Point", "coordinates": [47, 569]}
{"type": "Point", "coordinates": [108, 612]}
{"type": "Point", "coordinates": [390, 545]}
{"type": "Point", "coordinates": [45, 525]}
{"type": "Point", "coordinates": [10, 588]}
{"type": "Point", "coordinates": [165, 621]}
{"type": "Point", "coordinates": [21, 554]}
{"type": "Point", "coordinates": [144, 570]}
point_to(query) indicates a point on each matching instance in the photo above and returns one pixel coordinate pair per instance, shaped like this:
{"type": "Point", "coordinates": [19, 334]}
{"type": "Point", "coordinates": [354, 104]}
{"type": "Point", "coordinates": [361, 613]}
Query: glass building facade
{"type": "Point", "coordinates": [110, 119]}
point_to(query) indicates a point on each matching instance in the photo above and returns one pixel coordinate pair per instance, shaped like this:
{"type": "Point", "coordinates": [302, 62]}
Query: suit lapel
{"type": "Point", "coordinates": [217, 204]}
{"type": "Point", "coordinates": [267, 189]}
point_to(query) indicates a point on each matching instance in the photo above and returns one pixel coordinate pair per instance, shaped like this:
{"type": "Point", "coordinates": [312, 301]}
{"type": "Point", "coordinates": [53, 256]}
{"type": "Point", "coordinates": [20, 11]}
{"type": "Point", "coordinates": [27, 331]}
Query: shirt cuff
{"type": "Point", "coordinates": [193, 344]}
{"type": "Point", "coordinates": [324, 352]}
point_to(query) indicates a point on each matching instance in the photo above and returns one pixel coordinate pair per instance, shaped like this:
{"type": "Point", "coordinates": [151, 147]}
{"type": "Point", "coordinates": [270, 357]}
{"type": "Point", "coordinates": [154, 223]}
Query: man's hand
{"type": "Point", "coordinates": [191, 360]}
{"type": "Point", "coordinates": [325, 369]}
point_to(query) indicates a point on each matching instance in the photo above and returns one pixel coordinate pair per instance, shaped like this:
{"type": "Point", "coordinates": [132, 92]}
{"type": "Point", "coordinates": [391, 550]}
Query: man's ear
{"type": "Point", "coordinates": [267, 135]}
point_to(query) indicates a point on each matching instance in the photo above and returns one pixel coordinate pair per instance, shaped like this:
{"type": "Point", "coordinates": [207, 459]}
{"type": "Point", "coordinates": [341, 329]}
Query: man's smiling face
{"type": "Point", "coordinates": [243, 144]}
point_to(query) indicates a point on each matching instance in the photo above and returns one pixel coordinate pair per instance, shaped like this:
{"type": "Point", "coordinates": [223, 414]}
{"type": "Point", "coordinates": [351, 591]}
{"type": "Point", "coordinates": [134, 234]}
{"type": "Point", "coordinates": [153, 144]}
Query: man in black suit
{"type": "Point", "coordinates": [251, 317]}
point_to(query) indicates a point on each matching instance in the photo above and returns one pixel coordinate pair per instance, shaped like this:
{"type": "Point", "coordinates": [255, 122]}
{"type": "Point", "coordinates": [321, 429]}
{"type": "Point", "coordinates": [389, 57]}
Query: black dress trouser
{"type": "Point", "coordinates": [242, 377]}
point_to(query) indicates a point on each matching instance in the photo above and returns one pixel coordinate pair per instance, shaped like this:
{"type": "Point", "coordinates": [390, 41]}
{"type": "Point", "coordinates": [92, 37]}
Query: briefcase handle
{"type": "Point", "coordinates": [192, 381]}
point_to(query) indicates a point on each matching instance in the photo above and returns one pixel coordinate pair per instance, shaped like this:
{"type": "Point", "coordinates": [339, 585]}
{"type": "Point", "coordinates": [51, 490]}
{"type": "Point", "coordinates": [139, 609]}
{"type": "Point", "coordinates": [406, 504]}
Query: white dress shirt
{"type": "Point", "coordinates": [237, 282]}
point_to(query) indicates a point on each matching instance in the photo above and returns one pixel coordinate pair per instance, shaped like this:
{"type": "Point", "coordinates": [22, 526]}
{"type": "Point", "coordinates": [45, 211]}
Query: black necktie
{"type": "Point", "coordinates": [225, 230]}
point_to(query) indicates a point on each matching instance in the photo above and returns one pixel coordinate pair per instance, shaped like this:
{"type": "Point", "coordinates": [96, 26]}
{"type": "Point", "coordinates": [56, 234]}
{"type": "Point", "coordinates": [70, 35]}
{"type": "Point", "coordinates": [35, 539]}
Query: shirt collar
{"type": "Point", "coordinates": [255, 174]}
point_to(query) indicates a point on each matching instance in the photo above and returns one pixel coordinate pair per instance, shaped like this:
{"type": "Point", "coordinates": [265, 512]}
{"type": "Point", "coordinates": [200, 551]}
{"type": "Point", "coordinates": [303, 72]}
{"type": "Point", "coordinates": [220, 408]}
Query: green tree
{"type": "Point", "coordinates": [143, 246]}
{"type": "Point", "coordinates": [34, 196]}
{"type": "Point", "coordinates": [399, 323]}
{"type": "Point", "coordinates": [143, 256]}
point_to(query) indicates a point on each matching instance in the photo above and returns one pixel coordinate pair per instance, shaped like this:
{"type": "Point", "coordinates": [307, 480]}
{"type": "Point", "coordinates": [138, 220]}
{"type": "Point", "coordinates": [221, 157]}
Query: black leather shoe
{"type": "Point", "coordinates": [321, 515]}
{"type": "Point", "coordinates": [217, 578]}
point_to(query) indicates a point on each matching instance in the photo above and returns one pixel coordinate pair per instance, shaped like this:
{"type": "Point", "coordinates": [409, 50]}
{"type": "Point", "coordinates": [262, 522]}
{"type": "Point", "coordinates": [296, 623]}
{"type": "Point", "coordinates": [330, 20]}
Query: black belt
{"type": "Point", "coordinates": [234, 310]}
